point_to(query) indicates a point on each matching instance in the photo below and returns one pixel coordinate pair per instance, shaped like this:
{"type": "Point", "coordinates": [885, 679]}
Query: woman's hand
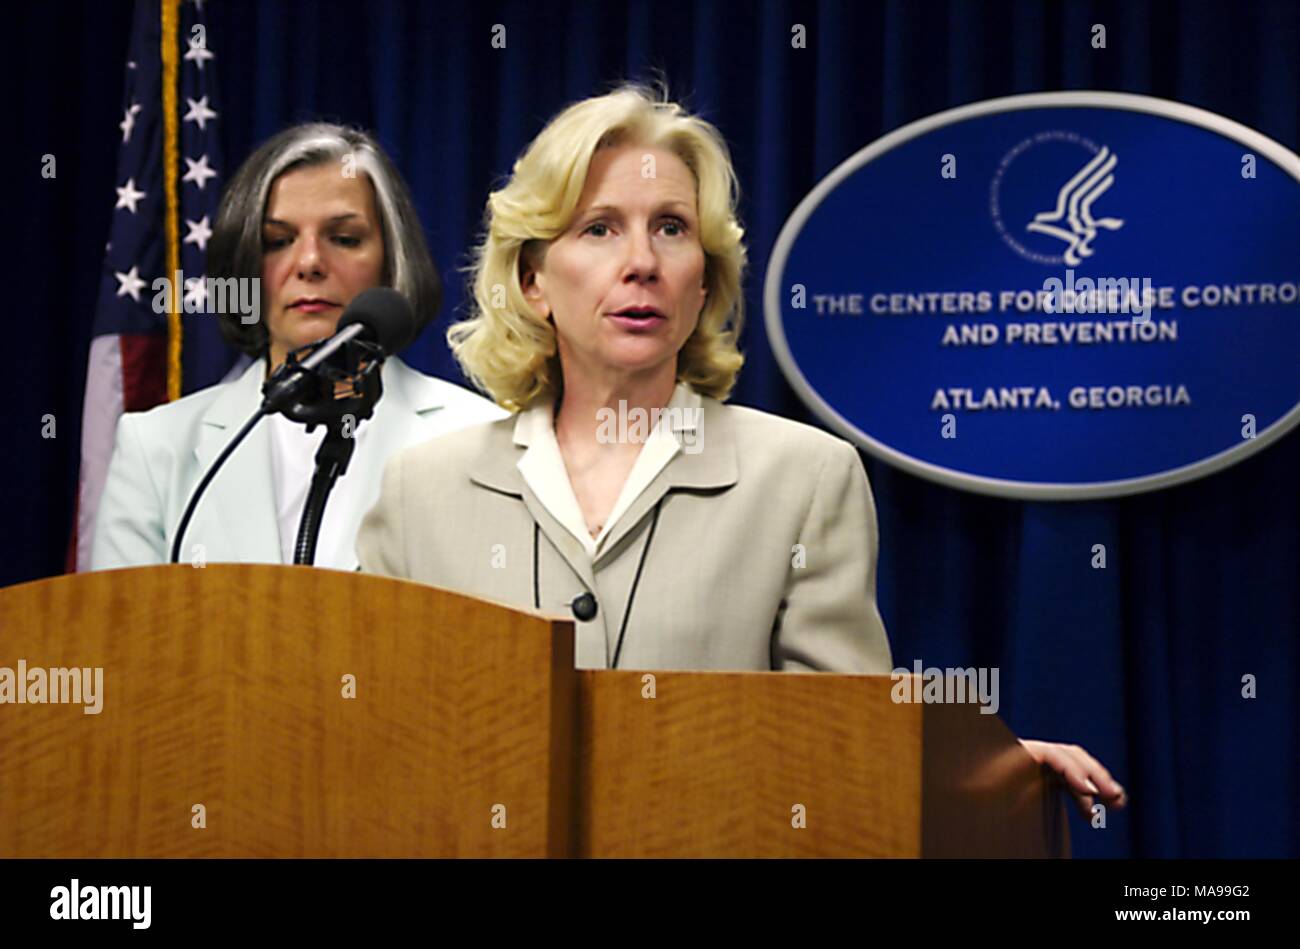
{"type": "Point", "coordinates": [1084, 775]}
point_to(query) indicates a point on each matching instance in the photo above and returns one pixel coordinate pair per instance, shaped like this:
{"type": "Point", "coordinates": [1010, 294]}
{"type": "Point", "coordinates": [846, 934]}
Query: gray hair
{"type": "Point", "coordinates": [235, 248]}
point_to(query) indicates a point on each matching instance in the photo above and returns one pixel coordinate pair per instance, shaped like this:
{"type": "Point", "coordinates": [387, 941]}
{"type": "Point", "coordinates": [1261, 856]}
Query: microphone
{"type": "Point", "coordinates": [385, 315]}
{"type": "Point", "coordinates": [380, 315]}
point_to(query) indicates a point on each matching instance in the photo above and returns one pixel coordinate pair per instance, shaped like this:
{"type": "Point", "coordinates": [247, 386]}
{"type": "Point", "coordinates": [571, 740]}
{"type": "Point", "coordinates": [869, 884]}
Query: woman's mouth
{"type": "Point", "coordinates": [638, 318]}
{"type": "Point", "coordinates": [312, 305]}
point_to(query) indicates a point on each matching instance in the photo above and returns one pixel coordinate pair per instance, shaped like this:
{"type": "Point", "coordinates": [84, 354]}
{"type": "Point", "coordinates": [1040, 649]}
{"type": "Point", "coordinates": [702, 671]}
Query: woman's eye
{"type": "Point", "coordinates": [674, 227]}
{"type": "Point", "coordinates": [598, 229]}
{"type": "Point", "coordinates": [346, 241]}
{"type": "Point", "coordinates": [273, 243]}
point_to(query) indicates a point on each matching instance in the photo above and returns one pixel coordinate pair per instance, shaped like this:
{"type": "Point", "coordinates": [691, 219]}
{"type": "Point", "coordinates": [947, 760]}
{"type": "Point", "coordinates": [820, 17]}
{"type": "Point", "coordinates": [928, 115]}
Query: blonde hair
{"type": "Point", "coordinates": [504, 347]}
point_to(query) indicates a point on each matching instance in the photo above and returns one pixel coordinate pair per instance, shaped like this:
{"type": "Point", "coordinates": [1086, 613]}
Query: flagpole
{"type": "Point", "coordinates": [171, 161]}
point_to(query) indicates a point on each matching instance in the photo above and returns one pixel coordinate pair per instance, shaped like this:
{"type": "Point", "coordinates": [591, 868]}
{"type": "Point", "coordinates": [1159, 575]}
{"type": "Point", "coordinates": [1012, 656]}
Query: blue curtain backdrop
{"type": "Point", "coordinates": [1141, 663]}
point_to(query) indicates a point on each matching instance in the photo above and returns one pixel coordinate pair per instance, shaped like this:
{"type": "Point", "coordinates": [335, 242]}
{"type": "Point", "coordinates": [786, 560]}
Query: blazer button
{"type": "Point", "coordinates": [584, 607]}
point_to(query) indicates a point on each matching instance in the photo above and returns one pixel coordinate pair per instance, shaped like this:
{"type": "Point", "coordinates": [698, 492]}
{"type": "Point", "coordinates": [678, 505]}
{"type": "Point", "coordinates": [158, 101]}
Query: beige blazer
{"type": "Point", "coordinates": [763, 555]}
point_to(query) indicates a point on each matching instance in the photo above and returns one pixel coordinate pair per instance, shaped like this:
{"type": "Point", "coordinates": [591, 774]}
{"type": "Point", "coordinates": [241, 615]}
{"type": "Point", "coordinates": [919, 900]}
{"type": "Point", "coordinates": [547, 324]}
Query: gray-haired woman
{"type": "Point", "coordinates": [316, 215]}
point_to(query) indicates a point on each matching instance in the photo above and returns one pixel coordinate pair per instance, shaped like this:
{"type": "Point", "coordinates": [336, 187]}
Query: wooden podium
{"type": "Point", "coordinates": [227, 729]}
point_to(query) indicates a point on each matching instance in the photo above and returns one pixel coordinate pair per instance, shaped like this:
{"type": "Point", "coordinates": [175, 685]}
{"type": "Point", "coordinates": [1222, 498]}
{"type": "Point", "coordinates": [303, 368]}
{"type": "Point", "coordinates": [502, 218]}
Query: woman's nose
{"type": "Point", "coordinates": [309, 258]}
{"type": "Point", "coordinates": [641, 263]}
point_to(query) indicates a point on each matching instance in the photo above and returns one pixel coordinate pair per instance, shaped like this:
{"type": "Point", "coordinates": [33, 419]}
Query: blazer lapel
{"type": "Point", "coordinates": [408, 399]}
{"type": "Point", "coordinates": [497, 468]}
{"type": "Point", "coordinates": [713, 467]}
{"type": "Point", "coordinates": [239, 506]}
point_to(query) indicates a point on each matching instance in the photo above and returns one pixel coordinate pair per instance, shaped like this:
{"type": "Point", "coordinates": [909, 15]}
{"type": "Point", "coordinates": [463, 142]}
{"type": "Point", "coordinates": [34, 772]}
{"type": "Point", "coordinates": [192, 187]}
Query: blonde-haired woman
{"type": "Point", "coordinates": [682, 533]}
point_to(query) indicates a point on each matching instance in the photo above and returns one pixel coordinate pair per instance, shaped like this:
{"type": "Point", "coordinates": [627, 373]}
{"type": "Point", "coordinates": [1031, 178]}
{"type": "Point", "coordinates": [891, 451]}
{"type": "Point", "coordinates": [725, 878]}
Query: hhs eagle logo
{"type": "Point", "coordinates": [1071, 221]}
{"type": "Point", "coordinates": [1074, 208]}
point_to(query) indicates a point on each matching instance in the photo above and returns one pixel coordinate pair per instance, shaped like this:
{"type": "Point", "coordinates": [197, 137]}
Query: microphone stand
{"type": "Point", "coordinates": [315, 392]}
{"type": "Point", "coordinates": [344, 399]}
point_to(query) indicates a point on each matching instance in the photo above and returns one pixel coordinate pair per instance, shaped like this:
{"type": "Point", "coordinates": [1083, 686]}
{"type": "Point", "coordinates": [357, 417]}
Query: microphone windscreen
{"type": "Point", "coordinates": [385, 313]}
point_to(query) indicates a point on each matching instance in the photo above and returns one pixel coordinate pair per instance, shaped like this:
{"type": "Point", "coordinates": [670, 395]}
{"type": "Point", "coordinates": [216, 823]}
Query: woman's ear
{"type": "Point", "coordinates": [535, 294]}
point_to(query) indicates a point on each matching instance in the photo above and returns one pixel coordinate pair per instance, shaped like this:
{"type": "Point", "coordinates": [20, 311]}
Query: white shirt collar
{"type": "Point", "coordinates": [542, 465]}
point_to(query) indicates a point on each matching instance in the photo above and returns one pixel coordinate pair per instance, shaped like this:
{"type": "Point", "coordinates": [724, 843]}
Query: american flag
{"type": "Point", "coordinates": [128, 366]}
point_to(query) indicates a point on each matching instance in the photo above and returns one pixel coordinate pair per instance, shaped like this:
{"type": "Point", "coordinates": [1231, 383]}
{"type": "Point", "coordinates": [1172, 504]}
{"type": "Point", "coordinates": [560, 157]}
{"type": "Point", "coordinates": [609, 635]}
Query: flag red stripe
{"type": "Point", "coordinates": [144, 371]}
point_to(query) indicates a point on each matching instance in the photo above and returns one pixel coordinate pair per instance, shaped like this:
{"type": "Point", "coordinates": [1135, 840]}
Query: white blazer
{"type": "Point", "coordinates": [160, 456]}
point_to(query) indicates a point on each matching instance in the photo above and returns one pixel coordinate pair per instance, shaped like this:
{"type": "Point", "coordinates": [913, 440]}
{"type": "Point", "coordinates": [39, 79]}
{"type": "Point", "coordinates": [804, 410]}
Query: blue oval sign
{"type": "Point", "coordinates": [1053, 296]}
